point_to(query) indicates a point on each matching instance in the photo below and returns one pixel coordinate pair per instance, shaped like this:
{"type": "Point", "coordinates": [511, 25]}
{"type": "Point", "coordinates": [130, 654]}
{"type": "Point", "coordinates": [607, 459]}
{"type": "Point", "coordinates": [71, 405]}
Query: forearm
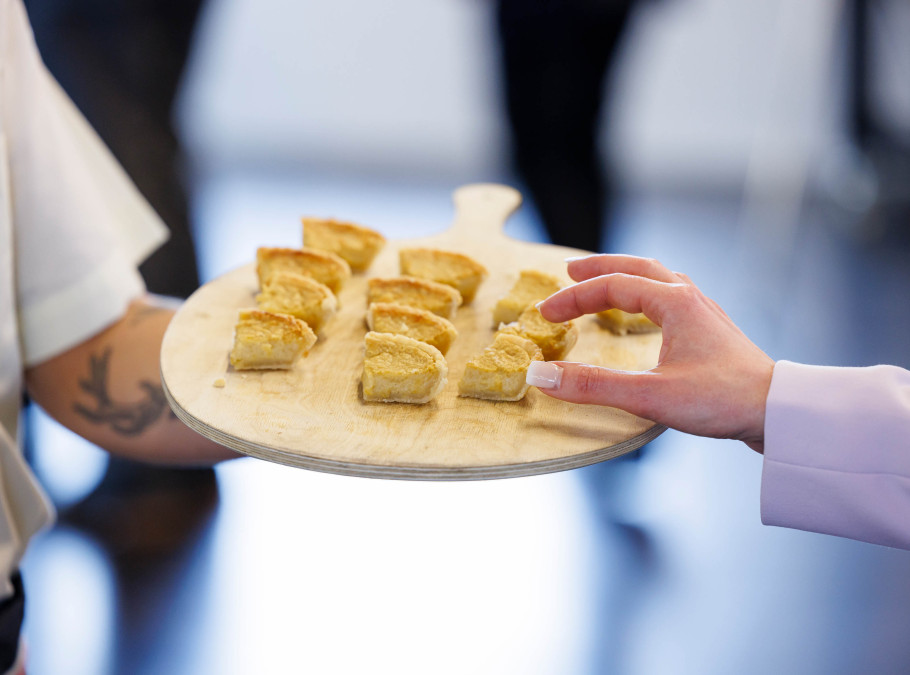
{"type": "Point", "coordinates": [108, 390]}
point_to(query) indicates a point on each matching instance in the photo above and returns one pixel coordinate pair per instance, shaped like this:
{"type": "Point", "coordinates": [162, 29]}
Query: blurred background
{"type": "Point", "coordinates": [761, 146]}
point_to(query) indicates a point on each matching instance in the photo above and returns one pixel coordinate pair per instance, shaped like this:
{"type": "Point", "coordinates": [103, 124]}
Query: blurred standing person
{"type": "Point", "coordinates": [557, 57]}
{"type": "Point", "coordinates": [122, 63]}
{"type": "Point", "coordinates": [78, 330]}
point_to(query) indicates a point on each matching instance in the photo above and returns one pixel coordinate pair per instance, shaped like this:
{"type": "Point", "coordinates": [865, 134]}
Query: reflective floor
{"type": "Point", "coordinates": [653, 564]}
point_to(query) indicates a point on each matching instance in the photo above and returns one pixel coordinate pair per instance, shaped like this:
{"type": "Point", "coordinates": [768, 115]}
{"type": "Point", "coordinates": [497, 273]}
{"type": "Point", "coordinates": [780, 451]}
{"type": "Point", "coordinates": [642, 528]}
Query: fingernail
{"type": "Point", "coordinates": [544, 375]}
{"type": "Point", "coordinates": [575, 257]}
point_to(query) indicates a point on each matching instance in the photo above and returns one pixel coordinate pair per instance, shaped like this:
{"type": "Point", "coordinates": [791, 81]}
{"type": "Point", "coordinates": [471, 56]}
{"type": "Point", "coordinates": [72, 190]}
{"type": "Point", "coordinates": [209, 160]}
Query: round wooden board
{"type": "Point", "coordinates": [313, 416]}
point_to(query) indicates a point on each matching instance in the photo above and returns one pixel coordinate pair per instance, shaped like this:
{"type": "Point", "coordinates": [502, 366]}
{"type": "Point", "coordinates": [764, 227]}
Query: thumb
{"type": "Point", "coordinates": [584, 383]}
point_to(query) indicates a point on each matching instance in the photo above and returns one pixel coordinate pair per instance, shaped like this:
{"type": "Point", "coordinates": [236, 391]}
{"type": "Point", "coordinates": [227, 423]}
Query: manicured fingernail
{"type": "Point", "coordinates": [575, 257]}
{"type": "Point", "coordinates": [544, 375]}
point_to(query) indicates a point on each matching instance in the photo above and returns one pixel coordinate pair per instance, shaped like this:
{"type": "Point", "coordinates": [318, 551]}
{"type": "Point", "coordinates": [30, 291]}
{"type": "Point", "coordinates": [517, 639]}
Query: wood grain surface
{"type": "Point", "coordinates": [314, 417]}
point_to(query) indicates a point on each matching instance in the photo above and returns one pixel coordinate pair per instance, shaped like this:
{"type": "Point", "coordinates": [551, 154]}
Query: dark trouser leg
{"type": "Point", "coordinates": [556, 59]}
{"type": "Point", "coordinates": [12, 611]}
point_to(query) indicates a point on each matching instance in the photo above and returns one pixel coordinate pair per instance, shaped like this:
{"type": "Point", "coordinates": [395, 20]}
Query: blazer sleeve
{"type": "Point", "coordinates": [837, 452]}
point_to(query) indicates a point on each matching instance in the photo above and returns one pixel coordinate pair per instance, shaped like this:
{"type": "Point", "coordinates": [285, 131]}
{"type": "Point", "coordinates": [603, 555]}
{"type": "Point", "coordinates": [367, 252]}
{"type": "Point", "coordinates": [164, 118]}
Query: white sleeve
{"type": "Point", "coordinates": [80, 225]}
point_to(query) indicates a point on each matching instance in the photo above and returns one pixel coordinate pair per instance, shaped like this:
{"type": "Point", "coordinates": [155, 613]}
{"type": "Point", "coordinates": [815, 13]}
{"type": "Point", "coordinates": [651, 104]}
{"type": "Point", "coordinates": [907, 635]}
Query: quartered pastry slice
{"type": "Point", "coordinates": [399, 369]}
{"type": "Point", "coordinates": [356, 244]}
{"type": "Point", "coordinates": [324, 267]}
{"type": "Point", "coordinates": [432, 296]}
{"type": "Point", "coordinates": [420, 324]}
{"type": "Point", "coordinates": [498, 373]}
{"type": "Point", "coordinates": [554, 339]}
{"type": "Point", "coordinates": [531, 287]}
{"type": "Point", "coordinates": [623, 323]}
{"type": "Point", "coordinates": [263, 340]}
{"type": "Point", "coordinates": [300, 296]}
{"type": "Point", "coordinates": [447, 267]}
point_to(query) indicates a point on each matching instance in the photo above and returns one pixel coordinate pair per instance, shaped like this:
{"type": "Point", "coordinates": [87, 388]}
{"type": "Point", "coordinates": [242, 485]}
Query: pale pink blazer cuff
{"type": "Point", "coordinates": [837, 452]}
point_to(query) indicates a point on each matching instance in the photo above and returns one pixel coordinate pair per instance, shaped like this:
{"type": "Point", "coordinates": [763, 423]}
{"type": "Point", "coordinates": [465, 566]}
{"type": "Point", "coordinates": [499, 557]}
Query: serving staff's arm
{"type": "Point", "coordinates": [108, 390]}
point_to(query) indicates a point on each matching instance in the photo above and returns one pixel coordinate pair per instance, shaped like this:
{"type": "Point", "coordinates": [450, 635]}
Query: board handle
{"type": "Point", "coordinates": [482, 209]}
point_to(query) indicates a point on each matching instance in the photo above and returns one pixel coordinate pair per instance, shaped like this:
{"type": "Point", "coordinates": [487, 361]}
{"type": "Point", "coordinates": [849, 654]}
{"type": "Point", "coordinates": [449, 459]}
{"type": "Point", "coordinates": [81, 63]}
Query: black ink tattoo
{"type": "Point", "coordinates": [128, 419]}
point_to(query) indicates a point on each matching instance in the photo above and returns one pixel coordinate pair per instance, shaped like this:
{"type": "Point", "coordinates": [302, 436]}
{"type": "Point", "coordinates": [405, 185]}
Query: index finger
{"type": "Point", "coordinates": [627, 292]}
{"type": "Point", "coordinates": [588, 267]}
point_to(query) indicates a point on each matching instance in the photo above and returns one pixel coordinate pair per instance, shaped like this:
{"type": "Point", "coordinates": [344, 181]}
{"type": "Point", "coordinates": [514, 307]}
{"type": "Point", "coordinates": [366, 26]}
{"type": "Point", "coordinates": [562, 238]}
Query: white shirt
{"type": "Point", "coordinates": [73, 229]}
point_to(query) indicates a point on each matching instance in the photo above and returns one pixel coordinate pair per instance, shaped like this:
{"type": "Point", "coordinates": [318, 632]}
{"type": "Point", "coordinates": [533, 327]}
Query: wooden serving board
{"type": "Point", "coordinates": [313, 416]}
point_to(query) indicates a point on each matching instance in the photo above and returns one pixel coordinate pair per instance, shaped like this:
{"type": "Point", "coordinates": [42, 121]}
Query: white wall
{"type": "Point", "coordinates": [712, 86]}
{"type": "Point", "coordinates": [406, 84]}
{"type": "Point", "coordinates": [410, 86]}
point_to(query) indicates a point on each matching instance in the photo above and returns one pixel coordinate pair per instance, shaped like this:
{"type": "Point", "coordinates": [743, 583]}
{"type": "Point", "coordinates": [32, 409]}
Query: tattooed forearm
{"type": "Point", "coordinates": [144, 312]}
{"type": "Point", "coordinates": [128, 419]}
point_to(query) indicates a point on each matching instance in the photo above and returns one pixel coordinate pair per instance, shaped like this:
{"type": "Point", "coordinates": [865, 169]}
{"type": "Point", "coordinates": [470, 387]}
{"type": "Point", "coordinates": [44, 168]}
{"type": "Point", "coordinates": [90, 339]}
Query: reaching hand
{"type": "Point", "coordinates": [710, 379]}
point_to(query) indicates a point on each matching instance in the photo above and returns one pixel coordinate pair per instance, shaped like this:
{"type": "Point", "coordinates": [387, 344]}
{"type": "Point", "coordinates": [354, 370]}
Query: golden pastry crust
{"type": "Point", "coordinates": [433, 296]}
{"type": "Point", "coordinates": [356, 244]}
{"type": "Point", "coordinates": [399, 369]}
{"type": "Point", "coordinates": [446, 267]}
{"type": "Point", "coordinates": [499, 372]}
{"type": "Point", "coordinates": [420, 324]}
{"type": "Point", "coordinates": [531, 287]}
{"type": "Point", "coordinates": [324, 267]}
{"type": "Point", "coordinates": [554, 339]}
{"type": "Point", "coordinates": [619, 322]}
{"type": "Point", "coordinates": [300, 296]}
{"type": "Point", "coordinates": [263, 340]}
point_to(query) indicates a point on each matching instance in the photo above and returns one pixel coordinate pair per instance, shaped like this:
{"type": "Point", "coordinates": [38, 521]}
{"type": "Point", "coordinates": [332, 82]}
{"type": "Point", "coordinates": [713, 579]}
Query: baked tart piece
{"type": "Point", "coordinates": [441, 299]}
{"type": "Point", "coordinates": [323, 266]}
{"type": "Point", "coordinates": [619, 322]}
{"type": "Point", "coordinates": [356, 244]}
{"type": "Point", "coordinates": [420, 324]}
{"type": "Point", "coordinates": [447, 267]}
{"type": "Point", "coordinates": [499, 372]}
{"type": "Point", "coordinates": [554, 339]}
{"type": "Point", "coordinates": [531, 287]}
{"type": "Point", "coordinates": [263, 340]}
{"type": "Point", "coordinates": [400, 369]}
{"type": "Point", "coordinates": [300, 296]}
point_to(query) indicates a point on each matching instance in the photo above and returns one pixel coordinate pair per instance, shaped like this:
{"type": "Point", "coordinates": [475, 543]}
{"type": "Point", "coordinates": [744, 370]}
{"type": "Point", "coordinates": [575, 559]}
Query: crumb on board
{"type": "Point", "coordinates": [219, 383]}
